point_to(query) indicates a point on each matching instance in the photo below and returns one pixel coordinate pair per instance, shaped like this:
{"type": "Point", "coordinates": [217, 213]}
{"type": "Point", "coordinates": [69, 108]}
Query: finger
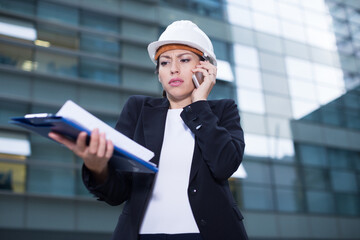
{"type": "Point", "coordinates": [109, 149]}
{"type": "Point", "coordinates": [102, 145]}
{"type": "Point", "coordinates": [209, 67]}
{"type": "Point", "coordinates": [94, 141]}
{"type": "Point", "coordinates": [81, 141]}
{"type": "Point", "coordinates": [61, 139]}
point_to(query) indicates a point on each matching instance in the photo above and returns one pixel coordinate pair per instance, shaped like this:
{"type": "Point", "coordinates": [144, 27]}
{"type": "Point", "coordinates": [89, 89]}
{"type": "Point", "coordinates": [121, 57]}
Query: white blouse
{"type": "Point", "coordinates": [169, 209]}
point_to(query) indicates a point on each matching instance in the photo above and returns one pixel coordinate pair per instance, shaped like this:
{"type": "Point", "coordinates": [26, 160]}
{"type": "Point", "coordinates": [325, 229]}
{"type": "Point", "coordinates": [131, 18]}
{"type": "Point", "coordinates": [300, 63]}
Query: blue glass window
{"type": "Point", "coordinates": [347, 204]}
{"type": "Point", "coordinates": [58, 13]}
{"type": "Point", "coordinates": [99, 71]}
{"type": "Point", "coordinates": [312, 155]}
{"type": "Point", "coordinates": [320, 202]}
{"type": "Point", "coordinates": [343, 181]}
{"type": "Point", "coordinates": [289, 200]}
{"type": "Point", "coordinates": [100, 22]}
{"type": "Point", "coordinates": [339, 158]}
{"type": "Point", "coordinates": [286, 176]}
{"type": "Point", "coordinates": [100, 45]}
{"type": "Point", "coordinates": [56, 64]}
{"type": "Point", "coordinates": [258, 198]}
{"type": "Point", "coordinates": [19, 6]}
{"type": "Point", "coordinates": [316, 178]}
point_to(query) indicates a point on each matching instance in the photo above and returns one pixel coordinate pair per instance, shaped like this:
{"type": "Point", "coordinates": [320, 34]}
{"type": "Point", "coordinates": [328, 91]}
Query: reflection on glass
{"type": "Point", "coordinates": [224, 71]}
{"type": "Point", "coordinates": [329, 75]}
{"type": "Point", "coordinates": [321, 39]}
{"type": "Point", "coordinates": [239, 16]}
{"type": "Point", "coordinates": [299, 68]}
{"type": "Point", "coordinates": [12, 176]}
{"type": "Point", "coordinates": [303, 108]}
{"type": "Point", "coordinates": [281, 149]}
{"type": "Point", "coordinates": [256, 146]}
{"type": "Point", "coordinates": [302, 89]}
{"type": "Point", "coordinates": [17, 29]}
{"type": "Point", "coordinates": [290, 12]}
{"type": "Point", "coordinates": [327, 94]}
{"type": "Point", "coordinates": [293, 31]}
{"type": "Point", "coordinates": [249, 78]}
{"type": "Point", "coordinates": [56, 64]}
{"type": "Point", "coordinates": [266, 23]}
{"type": "Point", "coordinates": [317, 5]}
{"type": "Point", "coordinates": [267, 6]}
{"type": "Point", "coordinates": [318, 20]}
{"type": "Point", "coordinates": [251, 101]}
{"type": "Point", "coordinates": [15, 144]}
{"type": "Point", "coordinates": [246, 56]}
{"type": "Point", "coordinates": [320, 202]}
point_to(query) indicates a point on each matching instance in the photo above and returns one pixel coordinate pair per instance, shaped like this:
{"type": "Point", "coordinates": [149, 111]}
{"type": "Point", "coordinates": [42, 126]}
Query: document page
{"type": "Point", "coordinates": [80, 116]}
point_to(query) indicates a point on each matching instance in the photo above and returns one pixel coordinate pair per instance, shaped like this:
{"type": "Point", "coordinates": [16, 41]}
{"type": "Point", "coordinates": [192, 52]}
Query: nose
{"type": "Point", "coordinates": [174, 67]}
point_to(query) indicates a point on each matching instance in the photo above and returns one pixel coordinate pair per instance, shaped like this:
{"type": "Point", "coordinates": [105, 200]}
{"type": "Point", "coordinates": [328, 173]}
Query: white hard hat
{"type": "Point", "coordinates": [187, 33]}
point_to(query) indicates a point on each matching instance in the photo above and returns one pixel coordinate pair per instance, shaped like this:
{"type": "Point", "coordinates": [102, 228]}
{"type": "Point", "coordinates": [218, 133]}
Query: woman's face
{"type": "Point", "coordinates": [175, 73]}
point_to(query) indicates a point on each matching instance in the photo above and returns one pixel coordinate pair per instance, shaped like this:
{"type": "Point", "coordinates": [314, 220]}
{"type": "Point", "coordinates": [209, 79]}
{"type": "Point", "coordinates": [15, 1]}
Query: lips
{"type": "Point", "coordinates": [174, 82]}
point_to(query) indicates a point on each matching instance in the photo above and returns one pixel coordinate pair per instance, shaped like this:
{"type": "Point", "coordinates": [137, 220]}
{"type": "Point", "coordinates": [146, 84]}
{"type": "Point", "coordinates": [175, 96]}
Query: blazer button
{"type": "Point", "coordinates": [203, 222]}
{"type": "Point", "coordinates": [193, 191]}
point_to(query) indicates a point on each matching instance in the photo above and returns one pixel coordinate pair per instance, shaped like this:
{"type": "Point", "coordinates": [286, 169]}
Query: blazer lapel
{"type": "Point", "coordinates": [154, 118]}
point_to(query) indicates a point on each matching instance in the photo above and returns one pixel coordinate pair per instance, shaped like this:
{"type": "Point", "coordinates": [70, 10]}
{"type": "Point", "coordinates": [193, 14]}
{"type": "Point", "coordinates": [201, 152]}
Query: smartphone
{"type": "Point", "coordinates": [196, 76]}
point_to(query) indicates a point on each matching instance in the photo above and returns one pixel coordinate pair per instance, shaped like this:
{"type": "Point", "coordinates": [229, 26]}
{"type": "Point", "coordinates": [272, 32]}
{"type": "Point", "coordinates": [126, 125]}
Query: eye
{"type": "Point", "coordinates": [185, 60]}
{"type": "Point", "coordinates": [163, 63]}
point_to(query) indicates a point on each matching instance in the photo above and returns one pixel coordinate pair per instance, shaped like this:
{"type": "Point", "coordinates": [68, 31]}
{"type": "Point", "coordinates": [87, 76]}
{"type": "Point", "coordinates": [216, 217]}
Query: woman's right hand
{"type": "Point", "coordinates": [95, 156]}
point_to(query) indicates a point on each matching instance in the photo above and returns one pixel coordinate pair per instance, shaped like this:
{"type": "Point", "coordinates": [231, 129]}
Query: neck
{"type": "Point", "coordinates": [179, 103]}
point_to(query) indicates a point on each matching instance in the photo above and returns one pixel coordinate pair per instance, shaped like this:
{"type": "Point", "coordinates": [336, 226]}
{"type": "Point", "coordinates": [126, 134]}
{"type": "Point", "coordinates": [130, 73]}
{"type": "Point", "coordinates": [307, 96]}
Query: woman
{"type": "Point", "coordinates": [198, 145]}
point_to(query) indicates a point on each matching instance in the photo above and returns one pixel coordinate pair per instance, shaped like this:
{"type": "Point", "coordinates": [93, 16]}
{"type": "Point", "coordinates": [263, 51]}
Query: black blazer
{"type": "Point", "coordinates": [219, 147]}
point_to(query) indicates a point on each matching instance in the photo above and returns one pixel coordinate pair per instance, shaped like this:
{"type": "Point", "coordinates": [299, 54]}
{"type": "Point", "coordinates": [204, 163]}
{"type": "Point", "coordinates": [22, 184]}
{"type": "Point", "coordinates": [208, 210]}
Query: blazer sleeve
{"type": "Point", "coordinates": [117, 187]}
{"type": "Point", "coordinates": [218, 134]}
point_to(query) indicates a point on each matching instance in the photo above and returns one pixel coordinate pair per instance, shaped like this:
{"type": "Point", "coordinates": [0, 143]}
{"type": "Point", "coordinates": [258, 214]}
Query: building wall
{"type": "Point", "coordinates": [290, 61]}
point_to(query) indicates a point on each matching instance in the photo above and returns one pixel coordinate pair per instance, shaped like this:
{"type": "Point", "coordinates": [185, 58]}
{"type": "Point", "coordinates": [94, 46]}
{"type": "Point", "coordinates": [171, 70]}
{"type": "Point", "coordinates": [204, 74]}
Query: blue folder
{"type": "Point", "coordinates": [121, 160]}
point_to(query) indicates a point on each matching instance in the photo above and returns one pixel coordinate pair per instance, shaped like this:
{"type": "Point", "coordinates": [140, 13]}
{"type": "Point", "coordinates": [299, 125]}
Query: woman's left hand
{"type": "Point", "coordinates": [209, 79]}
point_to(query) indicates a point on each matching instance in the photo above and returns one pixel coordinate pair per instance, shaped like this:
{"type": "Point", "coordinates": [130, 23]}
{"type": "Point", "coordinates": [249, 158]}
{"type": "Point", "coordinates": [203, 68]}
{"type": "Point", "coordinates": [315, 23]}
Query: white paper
{"type": "Point", "coordinates": [80, 116]}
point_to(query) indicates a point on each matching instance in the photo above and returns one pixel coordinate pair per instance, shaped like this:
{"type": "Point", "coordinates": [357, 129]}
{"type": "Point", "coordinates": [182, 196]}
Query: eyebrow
{"type": "Point", "coordinates": [178, 56]}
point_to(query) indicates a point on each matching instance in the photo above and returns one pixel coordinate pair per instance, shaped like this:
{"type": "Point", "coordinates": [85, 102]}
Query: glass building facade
{"type": "Point", "coordinates": [292, 66]}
